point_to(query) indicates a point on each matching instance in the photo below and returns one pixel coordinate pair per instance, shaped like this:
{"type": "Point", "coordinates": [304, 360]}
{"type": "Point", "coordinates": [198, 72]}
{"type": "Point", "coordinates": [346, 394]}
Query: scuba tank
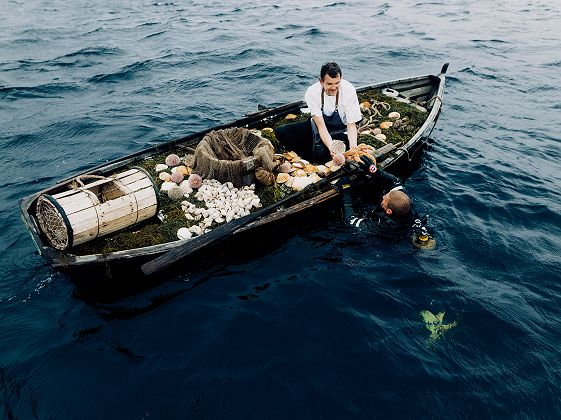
{"type": "Point", "coordinates": [421, 238]}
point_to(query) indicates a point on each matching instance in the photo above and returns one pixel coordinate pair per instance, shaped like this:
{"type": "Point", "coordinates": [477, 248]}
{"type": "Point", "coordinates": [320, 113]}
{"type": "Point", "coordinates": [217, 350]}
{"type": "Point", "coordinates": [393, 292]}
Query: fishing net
{"type": "Point", "coordinates": [52, 223]}
{"type": "Point", "coordinates": [236, 155]}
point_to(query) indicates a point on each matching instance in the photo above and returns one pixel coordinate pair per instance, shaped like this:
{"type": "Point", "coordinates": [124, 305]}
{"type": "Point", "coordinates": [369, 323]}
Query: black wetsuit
{"type": "Point", "coordinates": [374, 219]}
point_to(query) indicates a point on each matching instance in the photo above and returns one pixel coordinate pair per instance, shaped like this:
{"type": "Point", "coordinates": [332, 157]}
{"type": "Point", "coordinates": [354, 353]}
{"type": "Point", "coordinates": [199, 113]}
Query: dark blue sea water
{"type": "Point", "coordinates": [317, 327]}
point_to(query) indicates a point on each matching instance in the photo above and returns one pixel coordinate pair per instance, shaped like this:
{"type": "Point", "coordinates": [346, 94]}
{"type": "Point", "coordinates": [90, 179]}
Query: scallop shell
{"type": "Point", "coordinates": [267, 130]}
{"type": "Point", "coordinates": [381, 137]}
{"type": "Point", "coordinates": [299, 183]}
{"type": "Point", "coordinates": [386, 124]}
{"type": "Point", "coordinates": [338, 147]}
{"type": "Point", "coordinates": [314, 177]}
{"type": "Point", "coordinates": [298, 165]}
{"type": "Point", "coordinates": [185, 187]}
{"type": "Point", "coordinates": [183, 169]}
{"type": "Point", "coordinates": [164, 176]}
{"type": "Point", "coordinates": [394, 115]}
{"type": "Point", "coordinates": [300, 173]}
{"type": "Point", "coordinates": [184, 233]}
{"type": "Point", "coordinates": [310, 168]}
{"type": "Point", "coordinates": [376, 131]}
{"type": "Point", "coordinates": [282, 178]}
{"type": "Point", "coordinates": [290, 155]}
{"type": "Point", "coordinates": [291, 117]}
{"type": "Point", "coordinates": [161, 167]}
{"type": "Point", "coordinates": [364, 105]}
{"type": "Point", "coordinates": [322, 170]}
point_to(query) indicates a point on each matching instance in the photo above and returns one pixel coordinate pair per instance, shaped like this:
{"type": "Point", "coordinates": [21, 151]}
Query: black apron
{"type": "Point", "coordinates": [335, 127]}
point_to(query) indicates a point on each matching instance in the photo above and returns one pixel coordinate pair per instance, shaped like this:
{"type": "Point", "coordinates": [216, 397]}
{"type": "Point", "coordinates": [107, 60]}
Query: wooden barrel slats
{"type": "Point", "coordinates": [104, 206]}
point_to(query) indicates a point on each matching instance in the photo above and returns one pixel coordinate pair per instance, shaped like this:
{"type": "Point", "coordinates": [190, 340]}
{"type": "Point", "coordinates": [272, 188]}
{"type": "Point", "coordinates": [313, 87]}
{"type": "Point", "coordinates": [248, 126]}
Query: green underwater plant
{"type": "Point", "coordinates": [435, 324]}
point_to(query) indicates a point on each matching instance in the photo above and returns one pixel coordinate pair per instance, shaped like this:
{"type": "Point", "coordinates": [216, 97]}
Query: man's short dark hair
{"type": "Point", "coordinates": [331, 69]}
{"type": "Point", "coordinates": [399, 202]}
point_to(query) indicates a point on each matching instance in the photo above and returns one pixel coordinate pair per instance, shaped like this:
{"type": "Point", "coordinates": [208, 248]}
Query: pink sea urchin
{"type": "Point", "coordinates": [173, 160]}
{"type": "Point", "coordinates": [176, 177]}
{"type": "Point", "coordinates": [195, 181]}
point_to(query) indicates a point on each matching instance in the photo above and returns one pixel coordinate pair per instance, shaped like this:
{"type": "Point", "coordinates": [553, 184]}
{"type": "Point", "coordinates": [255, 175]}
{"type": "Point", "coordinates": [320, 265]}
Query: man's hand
{"type": "Point", "coordinates": [368, 165]}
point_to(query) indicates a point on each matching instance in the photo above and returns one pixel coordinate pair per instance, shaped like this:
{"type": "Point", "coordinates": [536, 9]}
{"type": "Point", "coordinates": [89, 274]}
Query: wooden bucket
{"type": "Point", "coordinates": [98, 208]}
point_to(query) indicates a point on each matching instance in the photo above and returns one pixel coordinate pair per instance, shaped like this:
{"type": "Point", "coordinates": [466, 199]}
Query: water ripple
{"type": "Point", "coordinates": [51, 90]}
{"type": "Point", "coordinates": [311, 310]}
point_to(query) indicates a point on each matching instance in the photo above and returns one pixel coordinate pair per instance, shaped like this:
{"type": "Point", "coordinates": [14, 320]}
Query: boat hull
{"type": "Point", "coordinates": [91, 270]}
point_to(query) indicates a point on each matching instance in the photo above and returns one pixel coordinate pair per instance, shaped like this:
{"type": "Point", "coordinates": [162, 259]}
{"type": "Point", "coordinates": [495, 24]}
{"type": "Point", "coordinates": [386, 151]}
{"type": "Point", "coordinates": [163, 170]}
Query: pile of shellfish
{"type": "Point", "coordinates": [297, 173]}
{"type": "Point", "coordinates": [177, 178]}
{"type": "Point", "coordinates": [217, 203]}
{"type": "Point", "coordinates": [222, 203]}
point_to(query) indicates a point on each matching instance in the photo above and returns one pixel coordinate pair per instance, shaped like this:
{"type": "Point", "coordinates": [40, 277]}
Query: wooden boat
{"type": "Point", "coordinates": [426, 90]}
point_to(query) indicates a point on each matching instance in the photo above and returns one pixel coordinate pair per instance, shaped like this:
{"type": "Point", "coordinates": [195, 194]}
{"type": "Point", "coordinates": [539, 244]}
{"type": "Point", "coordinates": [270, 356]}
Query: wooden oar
{"type": "Point", "coordinates": [193, 245]}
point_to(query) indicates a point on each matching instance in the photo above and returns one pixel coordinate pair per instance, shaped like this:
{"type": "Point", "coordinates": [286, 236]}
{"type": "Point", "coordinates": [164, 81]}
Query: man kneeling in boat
{"type": "Point", "coordinates": [333, 103]}
{"type": "Point", "coordinates": [393, 218]}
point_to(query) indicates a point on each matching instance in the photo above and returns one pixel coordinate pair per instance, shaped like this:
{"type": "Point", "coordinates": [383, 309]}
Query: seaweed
{"type": "Point", "coordinates": [411, 119]}
{"type": "Point", "coordinates": [271, 194]}
{"type": "Point", "coordinates": [270, 135]}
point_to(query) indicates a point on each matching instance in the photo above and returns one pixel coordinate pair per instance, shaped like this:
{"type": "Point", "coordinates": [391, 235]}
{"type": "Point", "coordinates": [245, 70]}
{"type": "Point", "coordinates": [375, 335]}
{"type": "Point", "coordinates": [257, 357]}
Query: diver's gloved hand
{"type": "Point", "coordinates": [342, 184]}
{"type": "Point", "coordinates": [367, 165]}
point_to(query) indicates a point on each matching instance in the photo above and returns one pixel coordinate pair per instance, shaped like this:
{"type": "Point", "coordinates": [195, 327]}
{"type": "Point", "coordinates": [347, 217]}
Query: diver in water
{"type": "Point", "coordinates": [394, 217]}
